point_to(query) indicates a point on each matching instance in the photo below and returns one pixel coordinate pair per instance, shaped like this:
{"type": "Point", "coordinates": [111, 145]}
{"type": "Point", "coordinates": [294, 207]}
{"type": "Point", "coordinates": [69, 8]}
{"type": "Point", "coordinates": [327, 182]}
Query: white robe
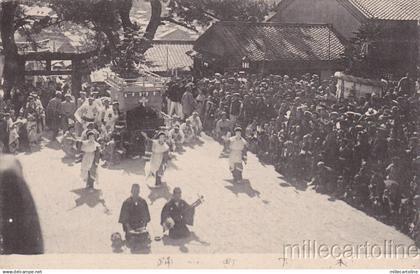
{"type": "Point", "coordinates": [89, 149]}
{"type": "Point", "coordinates": [236, 147]}
{"type": "Point", "coordinates": [110, 118]}
{"type": "Point", "coordinates": [157, 157]}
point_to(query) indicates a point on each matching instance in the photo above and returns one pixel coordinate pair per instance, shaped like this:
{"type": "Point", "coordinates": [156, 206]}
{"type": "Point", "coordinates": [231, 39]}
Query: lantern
{"type": "Point", "coordinates": [245, 63]}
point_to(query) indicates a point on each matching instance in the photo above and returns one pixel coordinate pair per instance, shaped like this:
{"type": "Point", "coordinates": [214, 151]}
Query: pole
{"type": "Point", "coordinates": [329, 42]}
{"type": "Point", "coordinates": [76, 77]}
{"type": "Point", "coordinates": [167, 58]}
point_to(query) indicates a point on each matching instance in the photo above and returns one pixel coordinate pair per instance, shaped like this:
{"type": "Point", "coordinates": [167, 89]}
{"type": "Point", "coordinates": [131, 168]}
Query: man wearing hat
{"type": "Point", "coordinates": [188, 102]}
{"type": "Point", "coordinates": [223, 130]}
{"type": "Point", "coordinates": [176, 137]}
{"type": "Point", "coordinates": [4, 133]}
{"type": "Point", "coordinates": [68, 108]}
{"type": "Point", "coordinates": [33, 112]}
{"type": "Point", "coordinates": [134, 214]}
{"type": "Point", "coordinates": [174, 95]}
{"type": "Point", "coordinates": [237, 154]}
{"type": "Point", "coordinates": [79, 102]}
{"type": "Point", "coordinates": [88, 112]}
{"type": "Point", "coordinates": [108, 116]}
{"type": "Point", "coordinates": [196, 124]}
{"type": "Point", "coordinates": [209, 113]}
{"type": "Point", "coordinates": [406, 85]}
{"type": "Point", "coordinates": [235, 108]}
{"type": "Point", "coordinates": [188, 131]}
{"type": "Point", "coordinates": [54, 114]}
{"type": "Point", "coordinates": [174, 216]}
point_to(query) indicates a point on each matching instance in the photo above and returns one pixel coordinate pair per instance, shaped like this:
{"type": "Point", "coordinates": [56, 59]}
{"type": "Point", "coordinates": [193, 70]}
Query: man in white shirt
{"type": "Point", "coordinates": [89, 112]}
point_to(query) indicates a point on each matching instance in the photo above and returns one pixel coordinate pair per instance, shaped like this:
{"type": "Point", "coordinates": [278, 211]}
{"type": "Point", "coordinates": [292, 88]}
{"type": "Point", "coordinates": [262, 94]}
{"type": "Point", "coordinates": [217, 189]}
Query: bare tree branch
{"type": "Point", "coordinates": [182, 24]}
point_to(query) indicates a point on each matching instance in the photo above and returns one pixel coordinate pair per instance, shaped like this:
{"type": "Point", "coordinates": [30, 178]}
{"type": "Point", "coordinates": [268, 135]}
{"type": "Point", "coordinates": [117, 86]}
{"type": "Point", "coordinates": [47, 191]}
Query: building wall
{"type": "Point", "coordinates": [319, 12]}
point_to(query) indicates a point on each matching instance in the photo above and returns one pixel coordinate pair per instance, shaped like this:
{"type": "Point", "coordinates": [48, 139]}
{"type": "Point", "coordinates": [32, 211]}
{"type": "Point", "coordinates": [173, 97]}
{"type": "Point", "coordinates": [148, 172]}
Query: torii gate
{"type": "Point", "coordinates": [76, 72]}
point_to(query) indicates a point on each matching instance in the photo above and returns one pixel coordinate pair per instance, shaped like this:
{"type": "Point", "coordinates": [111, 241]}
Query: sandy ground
{"type": "Point", "coordinates": [260, 216]}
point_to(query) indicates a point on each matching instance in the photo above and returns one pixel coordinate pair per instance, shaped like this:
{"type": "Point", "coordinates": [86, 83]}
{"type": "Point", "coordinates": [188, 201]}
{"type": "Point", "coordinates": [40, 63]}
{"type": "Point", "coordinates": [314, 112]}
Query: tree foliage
{"type": "Point", "coordinates": [118, 40]}
{"type": "Point", "coordinates": [362, 54]}
{"type": "Point", "coordinates": [204, 12]}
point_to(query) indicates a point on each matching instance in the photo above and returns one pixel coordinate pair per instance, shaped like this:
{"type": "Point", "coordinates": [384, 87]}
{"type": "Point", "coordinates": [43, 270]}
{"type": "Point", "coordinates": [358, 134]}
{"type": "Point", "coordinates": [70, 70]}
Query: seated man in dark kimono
{"type": "Point", "coordinates": [134, 214]}
{"type": "Point", "coordinates": [176, 215]}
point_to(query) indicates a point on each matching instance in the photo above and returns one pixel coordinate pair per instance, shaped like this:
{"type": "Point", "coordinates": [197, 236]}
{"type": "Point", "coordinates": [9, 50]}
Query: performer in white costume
{"type": "Point", "coordinates": [90, 160]}
{"type": "Point", "coordinates": [159, 158]}
{"type": "Point", "coordinates": [237, 154]}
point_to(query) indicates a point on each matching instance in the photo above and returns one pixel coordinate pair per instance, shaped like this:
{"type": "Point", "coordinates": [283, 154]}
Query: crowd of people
{"type": "Point", "coordinates": [364, 150]}
{"type": "Point", "coordinates": [80, 126]}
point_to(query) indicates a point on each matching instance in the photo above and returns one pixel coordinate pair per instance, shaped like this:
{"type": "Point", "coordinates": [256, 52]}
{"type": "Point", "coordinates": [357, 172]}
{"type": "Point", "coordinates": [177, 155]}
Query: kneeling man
{"type": "Point", "coordinates": [176, 215]}
{"type": "Point", "coordinates": [134, 215]}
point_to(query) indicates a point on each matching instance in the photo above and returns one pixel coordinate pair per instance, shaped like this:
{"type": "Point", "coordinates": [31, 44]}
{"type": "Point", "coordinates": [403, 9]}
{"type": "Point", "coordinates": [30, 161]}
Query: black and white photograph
{"type": "Point", "coordinates": [210, 133]}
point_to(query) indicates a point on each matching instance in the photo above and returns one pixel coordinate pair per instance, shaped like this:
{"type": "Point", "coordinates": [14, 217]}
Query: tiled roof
{"type": "Point", "coordinates": [169, 55]}
{"type": "Point", "coordinates": [177, 34]}
{"type": "Point", "coordinates": [387, 9]}
{"type": "Point", "coordinates": [276, 41]}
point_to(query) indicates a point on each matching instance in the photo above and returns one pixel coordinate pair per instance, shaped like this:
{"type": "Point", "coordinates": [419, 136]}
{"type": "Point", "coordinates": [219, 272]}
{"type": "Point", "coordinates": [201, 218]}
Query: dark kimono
{"type": "Point", "coordinates": [53, 113]}
{"type": "Point", "coordinates": [182, 216]}
{"type": "Point", "coordinates": [134, 213]}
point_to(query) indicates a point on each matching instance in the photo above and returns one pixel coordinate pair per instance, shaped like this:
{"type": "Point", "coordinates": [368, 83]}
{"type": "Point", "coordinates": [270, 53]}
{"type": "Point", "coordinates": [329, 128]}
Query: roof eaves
{"type": "Point", "coordinates": [279, 9]}
{"type": "Point", "coordinates": [357, 13]}
{"type": "Point", "coordinates": [204, 36]}
{"type": "Point", "coordinates": [173, 42]}
{"type": "Point", "coordinates": [238, 52]}
{"type": "Point", "coordinates": [236, 23]}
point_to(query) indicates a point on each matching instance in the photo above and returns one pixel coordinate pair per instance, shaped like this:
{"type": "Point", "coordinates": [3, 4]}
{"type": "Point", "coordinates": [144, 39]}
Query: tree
{"type": "Point", "coordinates": [10, 51]}
{"type": "Point", "coordinates": [362, 54]}
{"type": "Point", "coordinates": [126, 42]}
{"type": "Point", "coordinates": [118, 40]}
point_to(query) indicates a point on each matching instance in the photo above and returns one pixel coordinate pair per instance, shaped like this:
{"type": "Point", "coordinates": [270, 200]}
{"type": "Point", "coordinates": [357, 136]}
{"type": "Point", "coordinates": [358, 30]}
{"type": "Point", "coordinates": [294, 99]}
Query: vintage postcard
{"type": "Point", "coordinates": [222, 134]}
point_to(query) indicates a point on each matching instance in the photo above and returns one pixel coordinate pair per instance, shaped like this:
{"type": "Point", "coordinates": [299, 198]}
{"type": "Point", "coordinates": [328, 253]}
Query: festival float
{"type": "Point", "coordinates": [140, 101]}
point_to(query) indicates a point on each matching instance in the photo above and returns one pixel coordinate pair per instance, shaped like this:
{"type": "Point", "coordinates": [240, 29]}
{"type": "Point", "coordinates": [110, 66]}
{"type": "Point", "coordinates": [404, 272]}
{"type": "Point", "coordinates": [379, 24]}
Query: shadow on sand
{"type": "Point", "coordinates": [32, 149]}
{"type": "Point", "coordinates": [130, 166]}
{"type": "Point", "coordinates": [244, 187]}
{"type": "Point", "coordinates": [193, 143]}
{"type": "Point", "coordinates": [70, 161]}
{"type": "Point", "coordinates": [182, 243]}
{"type": "Point", "coordinates": [292, 182]}
{"type": "Point", "coordinates": [53, 144]}
{"type": "Point", "coordinates": [89, 197]}
{"type": "Point", "coordinates": [157, 193]}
